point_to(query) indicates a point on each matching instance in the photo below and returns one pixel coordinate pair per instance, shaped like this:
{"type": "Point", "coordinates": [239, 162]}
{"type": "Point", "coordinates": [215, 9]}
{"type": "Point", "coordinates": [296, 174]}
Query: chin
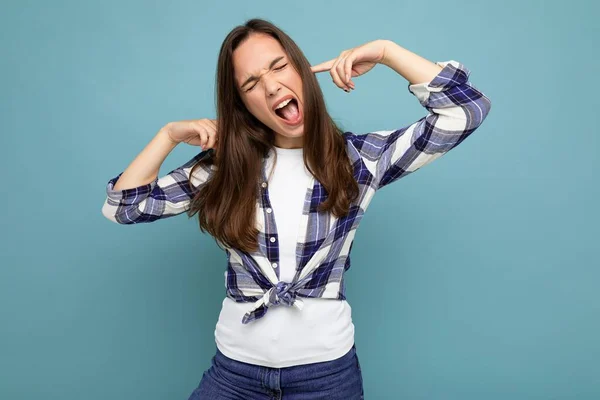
{"type": "Point", "coordinates": [293, 133]}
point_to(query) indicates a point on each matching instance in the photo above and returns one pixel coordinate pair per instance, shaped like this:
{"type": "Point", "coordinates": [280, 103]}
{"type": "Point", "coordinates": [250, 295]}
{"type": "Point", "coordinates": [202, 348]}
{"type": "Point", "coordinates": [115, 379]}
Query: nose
{"type": "Point", "coordinates": [272, 86]}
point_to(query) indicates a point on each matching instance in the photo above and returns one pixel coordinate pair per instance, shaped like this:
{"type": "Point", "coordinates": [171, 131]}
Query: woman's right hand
{"type": "Point", "coordinates": [195, 132]}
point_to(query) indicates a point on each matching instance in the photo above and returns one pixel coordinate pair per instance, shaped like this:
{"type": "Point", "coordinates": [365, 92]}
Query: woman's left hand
{"type": "Point", "coordinates": [353, 62]}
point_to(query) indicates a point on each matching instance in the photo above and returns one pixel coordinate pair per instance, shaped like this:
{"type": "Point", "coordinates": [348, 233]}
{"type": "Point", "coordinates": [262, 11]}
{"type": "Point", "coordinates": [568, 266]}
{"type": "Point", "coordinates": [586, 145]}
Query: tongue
{"type": "Point", "coordinates": [290, 112]}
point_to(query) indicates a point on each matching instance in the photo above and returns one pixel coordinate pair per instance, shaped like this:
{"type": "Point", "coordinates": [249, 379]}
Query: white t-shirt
{"type": "Point", "coordinates": [323, 329]}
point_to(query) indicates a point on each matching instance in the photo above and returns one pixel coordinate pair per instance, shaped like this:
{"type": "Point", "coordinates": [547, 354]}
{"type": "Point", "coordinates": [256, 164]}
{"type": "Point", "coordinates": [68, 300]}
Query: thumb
{"type": "Point", "coordinates": [324, 66]}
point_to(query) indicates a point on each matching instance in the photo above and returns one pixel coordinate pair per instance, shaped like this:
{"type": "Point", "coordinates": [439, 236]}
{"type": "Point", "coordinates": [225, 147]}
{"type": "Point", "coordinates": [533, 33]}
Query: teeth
{"type": "Point", "coordinates": [283, 104]}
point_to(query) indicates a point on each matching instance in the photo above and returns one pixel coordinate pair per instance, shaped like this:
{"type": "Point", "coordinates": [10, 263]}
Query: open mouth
{"type": "Point", "coordinates": [290, 113]}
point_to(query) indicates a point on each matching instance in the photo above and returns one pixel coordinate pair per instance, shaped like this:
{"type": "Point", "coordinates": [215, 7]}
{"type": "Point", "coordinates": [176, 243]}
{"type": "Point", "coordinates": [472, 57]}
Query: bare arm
{"type": "Point", "coordinates": [414, 68]}
{"type": "Point", "coordinates": [145, 167]}
{"type": "Point", "coordinates": [139, 195]}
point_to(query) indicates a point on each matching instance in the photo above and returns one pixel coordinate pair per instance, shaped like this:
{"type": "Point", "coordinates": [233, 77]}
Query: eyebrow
{"type": "Point", "coordinates": [254, 78]}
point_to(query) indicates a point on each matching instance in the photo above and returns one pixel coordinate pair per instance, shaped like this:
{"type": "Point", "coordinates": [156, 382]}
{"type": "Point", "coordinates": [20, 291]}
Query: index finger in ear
{"type": "Point", "coordinates": [324, 66]}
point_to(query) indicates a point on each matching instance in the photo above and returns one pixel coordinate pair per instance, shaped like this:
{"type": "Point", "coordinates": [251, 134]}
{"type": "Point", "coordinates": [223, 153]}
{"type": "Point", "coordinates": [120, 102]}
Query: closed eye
{"type": "Point", "coordinates": [276, 69]}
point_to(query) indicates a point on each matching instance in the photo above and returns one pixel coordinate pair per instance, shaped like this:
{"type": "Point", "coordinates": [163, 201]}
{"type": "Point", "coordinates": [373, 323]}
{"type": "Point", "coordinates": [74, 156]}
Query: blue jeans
{"type": "Point", "coordinates": [235, 380]}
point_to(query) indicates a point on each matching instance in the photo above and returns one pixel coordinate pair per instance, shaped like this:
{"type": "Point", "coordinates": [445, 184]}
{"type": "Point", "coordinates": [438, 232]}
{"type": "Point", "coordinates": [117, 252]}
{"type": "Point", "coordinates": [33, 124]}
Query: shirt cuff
{"type": "Point", "coordinates": [453, 73]}
{"type": "Point", "coordinates": [128, 196]}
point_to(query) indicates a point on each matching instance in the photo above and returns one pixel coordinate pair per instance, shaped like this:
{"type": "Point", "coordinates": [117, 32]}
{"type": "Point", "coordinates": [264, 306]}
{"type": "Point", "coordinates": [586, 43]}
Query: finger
{"type": "Point", "coordinates": [336, 77]}
{"type": "Point", "coordinates": [348, 71]}
{"type": "Point", "coordinates": [340, 67]}
{"type": "Point", "coordinates": [194, 140]}
{"type": "Point", "coordinates": [212, 138]}
{"type": "Point", "coordinates": [203, 135]}
{"type": "Point", "coordinates": [324, 66]}
{"type": "Point", "coordinates": [213, 124]}
{"type": "Point", "coordinates": [215, 133]}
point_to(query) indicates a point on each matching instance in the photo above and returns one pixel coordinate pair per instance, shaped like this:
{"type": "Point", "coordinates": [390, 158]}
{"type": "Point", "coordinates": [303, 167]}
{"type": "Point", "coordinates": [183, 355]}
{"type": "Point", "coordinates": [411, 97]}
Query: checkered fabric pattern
{"type": "Point", "coordinates": [455, 109]}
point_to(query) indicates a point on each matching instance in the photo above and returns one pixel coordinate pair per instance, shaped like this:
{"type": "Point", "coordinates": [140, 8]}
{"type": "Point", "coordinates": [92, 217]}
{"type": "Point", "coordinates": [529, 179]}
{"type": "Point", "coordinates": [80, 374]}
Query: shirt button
{"type": "Point", "coordinates": [269, 210]}
{"type": "Point", "coordinates": [272, 239]}
{"type": "Point", "coordinates": [274, 265]}
{"type": "Point", "coordinates": [264, 184]}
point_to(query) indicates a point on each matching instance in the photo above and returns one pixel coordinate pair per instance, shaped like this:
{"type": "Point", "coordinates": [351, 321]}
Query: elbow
{"type": "Point", "coordinates": [127, 214]}
{"type": "Point", "coordinates": [478, 108]}
{"type": "Point", "coordinates": [486, 106]}
{"type": "Point", "coordinates": [119, 214]}
{"type": "Point", "coordinates": [475, 113]}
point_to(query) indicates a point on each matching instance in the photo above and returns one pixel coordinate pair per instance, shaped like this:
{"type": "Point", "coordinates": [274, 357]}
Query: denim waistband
{"type": "Point", "coordinates": [251, 370]}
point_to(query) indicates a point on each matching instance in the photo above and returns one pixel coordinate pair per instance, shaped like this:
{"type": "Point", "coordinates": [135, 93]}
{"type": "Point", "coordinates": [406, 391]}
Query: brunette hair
{"type": "Point", "coordinates": [226, 203]}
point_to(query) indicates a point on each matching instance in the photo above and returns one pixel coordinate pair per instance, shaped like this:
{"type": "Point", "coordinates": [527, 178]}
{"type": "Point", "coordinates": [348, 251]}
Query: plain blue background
{"type": "Point", "coordinates": [476, 277]}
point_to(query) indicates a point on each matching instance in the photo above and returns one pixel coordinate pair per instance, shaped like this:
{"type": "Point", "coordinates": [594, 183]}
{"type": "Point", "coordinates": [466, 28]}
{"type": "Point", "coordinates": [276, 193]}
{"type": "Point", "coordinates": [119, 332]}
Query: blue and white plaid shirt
{"type": "Point", "coordinates": [456, 109]}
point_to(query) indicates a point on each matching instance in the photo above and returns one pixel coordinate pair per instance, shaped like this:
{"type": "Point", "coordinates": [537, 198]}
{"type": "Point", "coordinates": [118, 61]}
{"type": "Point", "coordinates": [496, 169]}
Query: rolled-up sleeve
{"type": "Point", "coordinates": [165, 197]}
{"type": "Point", "coordinates": [455, 110]}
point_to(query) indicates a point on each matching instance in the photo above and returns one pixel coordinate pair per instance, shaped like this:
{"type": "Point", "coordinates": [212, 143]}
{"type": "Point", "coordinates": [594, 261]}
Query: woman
{"type": "Point", "coordinates": [282, 190]}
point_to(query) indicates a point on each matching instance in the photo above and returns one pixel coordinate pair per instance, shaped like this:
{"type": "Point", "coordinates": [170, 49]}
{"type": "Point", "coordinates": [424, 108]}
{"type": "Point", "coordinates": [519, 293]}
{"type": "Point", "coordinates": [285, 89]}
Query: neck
{"type": "Point", "coordinates": [284, 142]}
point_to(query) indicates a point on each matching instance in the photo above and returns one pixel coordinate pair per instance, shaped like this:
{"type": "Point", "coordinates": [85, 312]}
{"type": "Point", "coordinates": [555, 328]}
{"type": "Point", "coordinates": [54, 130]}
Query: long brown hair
{"type": "Point", "coordinates": [226, 205]}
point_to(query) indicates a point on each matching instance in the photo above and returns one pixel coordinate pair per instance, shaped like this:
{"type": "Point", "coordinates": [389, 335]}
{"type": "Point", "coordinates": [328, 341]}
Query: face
{"type": "Point", "coordinates": [264, 77]}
